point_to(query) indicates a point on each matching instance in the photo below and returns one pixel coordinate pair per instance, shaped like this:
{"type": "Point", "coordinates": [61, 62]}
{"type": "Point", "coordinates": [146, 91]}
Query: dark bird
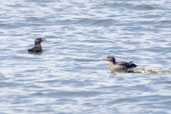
{"type": "Point", "coordinates": [124, 67]}
{"type": "Point", "coordinates": [37, 48]}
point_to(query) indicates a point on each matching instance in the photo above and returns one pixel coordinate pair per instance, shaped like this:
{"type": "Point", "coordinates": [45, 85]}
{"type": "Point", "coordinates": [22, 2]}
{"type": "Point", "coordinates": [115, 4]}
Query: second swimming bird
{"type": "Point", "coordinates": [119, 66]}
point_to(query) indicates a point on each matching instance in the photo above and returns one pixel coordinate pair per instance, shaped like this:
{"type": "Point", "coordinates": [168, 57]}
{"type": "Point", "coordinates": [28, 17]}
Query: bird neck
{"type": "Point", "coordinates": [112, 63]}
{"type": "Point", "coordinates": [37, 45]}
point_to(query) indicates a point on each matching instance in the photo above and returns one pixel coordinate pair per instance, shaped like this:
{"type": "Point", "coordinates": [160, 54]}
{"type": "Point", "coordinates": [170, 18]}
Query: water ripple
{"type": "Point", "coordinates": [70, 75]}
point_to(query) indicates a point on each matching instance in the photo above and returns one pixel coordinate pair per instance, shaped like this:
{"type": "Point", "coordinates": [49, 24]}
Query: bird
{"type": "Point", "coordinates": [37, 48]}
{"type": "Point", "coordinates": [121, 67]}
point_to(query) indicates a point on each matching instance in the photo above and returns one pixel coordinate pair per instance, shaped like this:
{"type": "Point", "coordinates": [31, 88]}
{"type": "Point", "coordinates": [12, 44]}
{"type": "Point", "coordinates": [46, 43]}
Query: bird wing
{"type": "Point", "coordinates": [127, 64]}
{"type": "Point", "coordinates": [34, 49]}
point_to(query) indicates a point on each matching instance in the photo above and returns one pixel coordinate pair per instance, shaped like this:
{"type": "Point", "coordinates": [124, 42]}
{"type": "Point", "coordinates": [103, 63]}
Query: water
{"type": "Point", "coordinates": [69, 77]}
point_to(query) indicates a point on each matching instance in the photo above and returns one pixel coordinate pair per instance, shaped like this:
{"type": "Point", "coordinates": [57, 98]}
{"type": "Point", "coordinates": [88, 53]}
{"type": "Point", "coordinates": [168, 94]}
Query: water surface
{"type": "Point", "coordinates": [69, 77]}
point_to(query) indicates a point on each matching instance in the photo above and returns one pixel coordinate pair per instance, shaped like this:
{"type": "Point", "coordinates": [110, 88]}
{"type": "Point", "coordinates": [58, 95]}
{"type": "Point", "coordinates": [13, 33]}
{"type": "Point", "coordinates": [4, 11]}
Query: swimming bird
{"type": "Point", "coordinates": [37, 48]}
{"type": "Point", "coordinates": [124, 67]}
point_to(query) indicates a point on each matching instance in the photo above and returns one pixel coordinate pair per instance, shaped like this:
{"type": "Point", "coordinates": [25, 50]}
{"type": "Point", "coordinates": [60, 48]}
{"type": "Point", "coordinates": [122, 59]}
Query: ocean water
{"type": "Point", "coordinates": [70, 76]}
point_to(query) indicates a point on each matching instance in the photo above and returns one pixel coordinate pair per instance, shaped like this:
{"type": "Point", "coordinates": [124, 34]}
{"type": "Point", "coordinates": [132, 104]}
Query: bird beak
{"type": "Point", "coordinates": [105, 59]}
{"type": "Point", "coordinates": [43, 39]}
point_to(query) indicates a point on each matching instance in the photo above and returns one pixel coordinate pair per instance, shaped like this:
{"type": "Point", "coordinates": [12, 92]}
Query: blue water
{"type": "Point", "coordinates": [70, 77]}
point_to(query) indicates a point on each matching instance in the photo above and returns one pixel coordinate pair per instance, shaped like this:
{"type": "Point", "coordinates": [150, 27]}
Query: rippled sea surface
{"type": "Point", "coordinates": [70, 77]}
